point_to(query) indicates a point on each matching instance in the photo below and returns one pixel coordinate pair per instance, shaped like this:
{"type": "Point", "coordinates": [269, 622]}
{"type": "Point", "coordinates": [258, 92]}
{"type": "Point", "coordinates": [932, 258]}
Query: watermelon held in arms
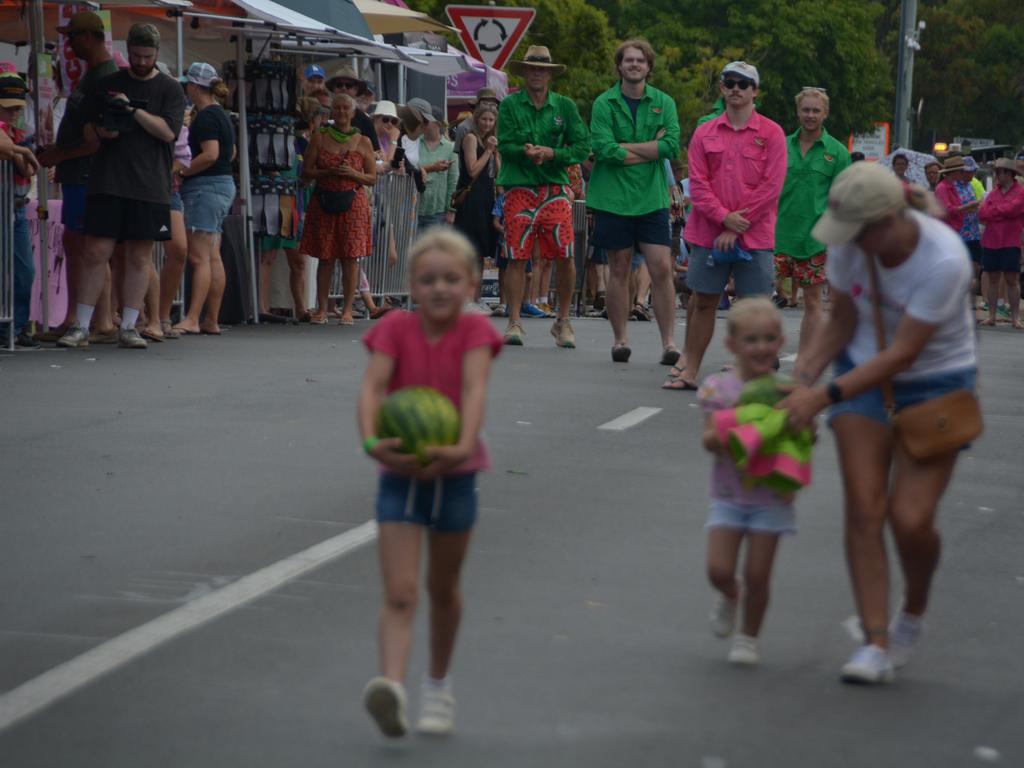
{"type": "Point", "coordinates": [421, 417]}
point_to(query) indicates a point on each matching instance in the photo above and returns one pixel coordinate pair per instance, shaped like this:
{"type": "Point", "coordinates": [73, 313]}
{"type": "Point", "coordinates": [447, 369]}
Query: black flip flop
{"type": "Point", "coordinates": [679, 385]}
{"type": "Point", "coordinates": [621, 354]}
{"type": "Point", "coordinates": [670, 356]}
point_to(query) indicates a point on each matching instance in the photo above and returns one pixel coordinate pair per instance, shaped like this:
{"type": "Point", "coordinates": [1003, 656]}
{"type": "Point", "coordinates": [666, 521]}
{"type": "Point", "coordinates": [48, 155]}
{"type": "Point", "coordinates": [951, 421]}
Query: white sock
{"type": "Point", "coordinates": [83, 313]}
{"type": "Point", "coordinates": [437, 685]}
{"type": "Point", "coordinates": [129, 317]}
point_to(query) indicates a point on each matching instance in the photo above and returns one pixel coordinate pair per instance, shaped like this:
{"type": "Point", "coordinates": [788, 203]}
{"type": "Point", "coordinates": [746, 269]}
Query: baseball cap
{"type": "Point", "coordinates": [423, 107]}
{"type": "Point", "coordinates": [83, 21]}
{"type": "Point", "coordinates": [970, 164]}
{"type": "Point", "coordinates": [863, 193]}
{"type": "Point", "coordinates": [12, 90]}
{"type": "Point", "coordinates": [486, 94]}
{"type": "Point", "coordinates": [144, 36]}
{"type": "Point", "coordinates": [742, 69]}
{"type": "Point", "coordinates": [202, 74]}
{"type": "Point", "coordinates": [315, 70]}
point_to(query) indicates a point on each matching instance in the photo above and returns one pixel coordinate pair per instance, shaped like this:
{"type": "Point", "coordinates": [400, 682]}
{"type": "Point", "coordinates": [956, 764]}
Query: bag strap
{"type": "Point", "coordinates": [876, 309]}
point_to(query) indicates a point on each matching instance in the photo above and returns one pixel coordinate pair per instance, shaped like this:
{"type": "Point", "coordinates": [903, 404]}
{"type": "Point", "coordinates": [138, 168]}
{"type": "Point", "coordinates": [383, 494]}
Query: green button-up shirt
{"type": "Point", "coordinates": [631, 190]}
{"type": "Point", "coordinates": [557, 124]}
{"type": "Point", "coordinates": [805, 194]}
{"type": "Point", "coordinates": [437, 197]}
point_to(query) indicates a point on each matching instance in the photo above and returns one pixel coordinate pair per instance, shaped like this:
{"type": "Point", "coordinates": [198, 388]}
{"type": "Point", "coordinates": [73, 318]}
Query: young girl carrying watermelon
{"type": "Point", "coordinates": [759, 464]}
{"type": "Point", "coordinates": [436, 346]}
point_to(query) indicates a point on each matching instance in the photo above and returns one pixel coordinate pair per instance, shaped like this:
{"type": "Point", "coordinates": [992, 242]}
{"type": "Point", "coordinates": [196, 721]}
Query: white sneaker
{"type": "Point", "coordinates": [869, 665]}
{"type": "Point", "coordinates": [904, 633]}
{"type": "Point", "coordinates": [723, 615]}
{"type": "Point", "coordinates": [437, 711]}
{"type": "Point", "coordinates": [385, 701]}
{"type": "Point", "coordinates": [744, 650]}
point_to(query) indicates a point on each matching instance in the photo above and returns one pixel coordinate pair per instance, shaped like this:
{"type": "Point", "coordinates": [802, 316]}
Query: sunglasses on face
{"type": "Point", "coordinates": [390, 120]}
{"type": "Point", "coordinates": [741, 84]}
{"type": "Point", "coordinates": [347, 84]}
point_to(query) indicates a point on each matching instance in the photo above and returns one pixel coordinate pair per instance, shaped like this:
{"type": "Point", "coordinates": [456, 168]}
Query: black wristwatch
{"type": "Point", "coordinates": [835, 394]}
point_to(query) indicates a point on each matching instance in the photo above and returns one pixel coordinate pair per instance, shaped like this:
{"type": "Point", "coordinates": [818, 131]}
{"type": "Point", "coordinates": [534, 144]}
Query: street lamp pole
{"type": "Point", "coordinates": [910, 32]}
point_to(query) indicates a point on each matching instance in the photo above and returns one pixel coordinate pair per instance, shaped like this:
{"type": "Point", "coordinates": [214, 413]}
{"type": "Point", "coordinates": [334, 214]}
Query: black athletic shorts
{"type": "Point", "coordinates": [615, 233]}
{"type": "Point", "coordinates": [123, 218]}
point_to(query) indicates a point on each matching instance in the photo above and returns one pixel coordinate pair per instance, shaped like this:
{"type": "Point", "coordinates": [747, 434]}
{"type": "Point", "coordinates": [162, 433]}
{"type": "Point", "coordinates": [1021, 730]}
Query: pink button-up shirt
{"type": "Point", "coordinates": [1002, 213]}
{"type": "Point", "coordinates": [946, 194]}
{"type": "Point", "coordinates": [731, 170]}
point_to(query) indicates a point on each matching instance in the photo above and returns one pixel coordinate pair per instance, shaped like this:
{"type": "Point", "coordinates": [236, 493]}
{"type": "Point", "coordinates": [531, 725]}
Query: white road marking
{"type": "Point", "coordinates": [40, 692]}
{"type": "Point", "coordinates": [631, 419]}
{"type": "Point", "coordinates": [788, 358]}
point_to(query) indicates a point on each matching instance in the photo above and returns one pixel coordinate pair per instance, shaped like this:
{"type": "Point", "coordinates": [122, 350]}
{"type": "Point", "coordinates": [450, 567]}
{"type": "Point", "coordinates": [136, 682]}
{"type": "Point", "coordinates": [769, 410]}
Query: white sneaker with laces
{"type": "Point", "coordinates": [744, 651]}
{"type": "Point", "coordinates": [385, 701]}
{"type": "Point", "coordinates": [904, 633]}
{"type": "Point", "coordinates": [723, 615]}
{"type": "Point", "coordinates": [437, 711]}
{"type": "Point", "coordinates": [869, 665]}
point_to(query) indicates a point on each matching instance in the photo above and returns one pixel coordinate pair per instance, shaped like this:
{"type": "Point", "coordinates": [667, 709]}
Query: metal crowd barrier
{"type": "Point", "coordinates": [7, 249]}
{"type": "Point", "coordinates": [394, 207]}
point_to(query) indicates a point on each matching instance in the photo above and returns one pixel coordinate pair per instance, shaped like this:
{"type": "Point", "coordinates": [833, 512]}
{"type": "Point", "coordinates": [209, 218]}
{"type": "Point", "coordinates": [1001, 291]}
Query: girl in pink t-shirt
{"type": "Point", "coordinates": [436, 346]}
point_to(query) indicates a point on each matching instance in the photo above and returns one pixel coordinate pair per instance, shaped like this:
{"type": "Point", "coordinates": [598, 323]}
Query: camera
{"type": "Point", "coordinates": [117, 114]}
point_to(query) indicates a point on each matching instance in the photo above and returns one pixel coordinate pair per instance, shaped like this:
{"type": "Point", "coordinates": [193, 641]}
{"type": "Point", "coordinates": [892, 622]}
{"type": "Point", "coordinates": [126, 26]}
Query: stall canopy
{"type": "Point", "coordinates": [389, 18]}
{"type": "Point", "coordinates": [342, 15]}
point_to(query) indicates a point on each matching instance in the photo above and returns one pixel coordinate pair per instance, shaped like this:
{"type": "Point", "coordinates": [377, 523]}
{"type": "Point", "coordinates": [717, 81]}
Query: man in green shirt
{"type": "Point", "coordinates": [815, 159]}
{"type": "Point", "coordinates": [540, 134]}
{"type": "Point", "coordinates": [634, 129]}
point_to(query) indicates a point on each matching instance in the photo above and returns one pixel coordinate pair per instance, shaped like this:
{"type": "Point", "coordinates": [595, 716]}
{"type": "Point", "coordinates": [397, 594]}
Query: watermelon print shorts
{"type": "Point", "coordinates": [445, 504]}
{"type": "Point", "coordinates": [807, 272]}
{"type": "Point", "coordinates": [538, 215]}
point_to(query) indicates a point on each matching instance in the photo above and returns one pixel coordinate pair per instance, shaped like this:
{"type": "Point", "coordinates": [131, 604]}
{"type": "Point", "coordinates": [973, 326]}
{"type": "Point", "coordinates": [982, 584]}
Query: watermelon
{"type": "Point", "coordinates": [421, 417]}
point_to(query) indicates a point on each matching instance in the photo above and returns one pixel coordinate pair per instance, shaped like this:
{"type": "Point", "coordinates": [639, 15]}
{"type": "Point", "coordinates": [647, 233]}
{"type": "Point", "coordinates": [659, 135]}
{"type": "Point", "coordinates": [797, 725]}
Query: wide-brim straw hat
{"type": "Point", "coordinates": [1008, 164]}
{"type": "Point", "coordinates": [344, 72]}
{"type": "Point", "coordinates": [952, 165]}
{"type": "Point", "coordinates": [536, 56]}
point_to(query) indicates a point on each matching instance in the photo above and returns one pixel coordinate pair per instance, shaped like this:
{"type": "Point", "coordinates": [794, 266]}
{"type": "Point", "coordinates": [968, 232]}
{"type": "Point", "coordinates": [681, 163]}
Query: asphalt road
{"type": "Point", "coordinates": [135, 484]}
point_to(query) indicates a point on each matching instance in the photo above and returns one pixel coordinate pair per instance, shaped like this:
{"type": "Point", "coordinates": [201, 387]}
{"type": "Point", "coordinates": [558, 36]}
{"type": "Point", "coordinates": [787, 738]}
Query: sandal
{"type": "Point", "coordinates": [670, 356]}
{"type": "Point", "coordinates": [621, 353]}
{"type": "Point", "coordinates": [167, 329]}
{"type": "Point", "coordinates": [676, 381]}
{"type": "Point", "coordinates": [640, 313]}
{"type": "Point", "coordinates": [318, 318]}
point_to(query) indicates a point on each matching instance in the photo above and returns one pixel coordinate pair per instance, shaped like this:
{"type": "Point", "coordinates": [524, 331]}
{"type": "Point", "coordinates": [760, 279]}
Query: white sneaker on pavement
{"type": "Point", "coordinates": [723, 615]}
{"type": "Point", "coordinates": [437, 710]}
{"type": "Point", "coordinates": [385, 701]}
{"type": "Point", "coordinates": [904, 634]}
{"type": "Point", "coordinates": [869, 665]}
{"type": "Point", "coordinates": [744, 651]}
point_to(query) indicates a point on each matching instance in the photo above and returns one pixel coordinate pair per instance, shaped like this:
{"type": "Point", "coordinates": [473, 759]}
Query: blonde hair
{"type": "Point", "coordinates": [745, 309]}
{"type": "Point", "coordinates": [448, 241]}
{"type": "Point", "coordinates": [343, 97]}
{"type": "Point", "coordinates": [809, 91]}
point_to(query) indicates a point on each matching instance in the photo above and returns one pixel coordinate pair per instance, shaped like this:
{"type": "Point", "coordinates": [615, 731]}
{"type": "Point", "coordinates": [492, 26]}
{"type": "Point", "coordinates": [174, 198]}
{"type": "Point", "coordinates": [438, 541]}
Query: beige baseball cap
{"type": "Point", "coordinates": [863, 193]}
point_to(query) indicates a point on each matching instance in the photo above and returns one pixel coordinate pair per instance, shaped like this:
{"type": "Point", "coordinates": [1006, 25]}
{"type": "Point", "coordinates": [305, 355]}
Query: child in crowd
{"type": "Point", "coordinates": [440, 347]}
{"type": "Point", "coordinates": [741, 509]}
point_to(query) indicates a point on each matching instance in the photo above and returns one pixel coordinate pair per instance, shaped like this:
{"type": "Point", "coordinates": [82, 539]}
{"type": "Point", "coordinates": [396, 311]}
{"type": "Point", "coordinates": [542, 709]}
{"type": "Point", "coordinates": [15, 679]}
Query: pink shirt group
{"type": "Point", "coordinates": [1002, 213]}
{"type": "Point", "coordinates": [420, 362]}
{"type": "Point", "coordinates": [946, 194]}
{"type": "Point", "coordinates": [731, 170]}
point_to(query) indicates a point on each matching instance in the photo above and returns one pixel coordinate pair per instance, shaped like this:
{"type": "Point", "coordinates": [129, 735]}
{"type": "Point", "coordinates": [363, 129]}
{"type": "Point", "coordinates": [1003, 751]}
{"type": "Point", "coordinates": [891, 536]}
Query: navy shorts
{"type": "Point", "coordinates": [871, 404]}
{"type": "Point", "coordinates": [1000, 259]}
{"type": "Point", "coordinates": [72, 207]}
{"type": "Point", "coordinates": [616, 233]}
{"type": "Point", "coordinates": [975, 250]}
{"type": "Point", "coordinates": [753, 278]}
{"type": "Point", "coordinates": [445, 504]}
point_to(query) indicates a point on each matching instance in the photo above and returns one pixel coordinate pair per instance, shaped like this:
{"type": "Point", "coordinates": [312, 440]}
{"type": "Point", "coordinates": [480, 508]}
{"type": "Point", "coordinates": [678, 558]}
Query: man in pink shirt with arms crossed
{"type": "Point", "coordinates": [737, 169]}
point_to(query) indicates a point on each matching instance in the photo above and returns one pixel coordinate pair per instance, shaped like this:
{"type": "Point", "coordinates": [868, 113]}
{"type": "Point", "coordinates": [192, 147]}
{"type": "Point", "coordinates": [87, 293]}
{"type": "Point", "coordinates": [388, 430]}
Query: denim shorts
{"type": "Point", "coordinates": [777, 519]}
{"type": "Point", "coordinates": [72, 207]}
{"type": "Point", "coordinates": [753, 278]}
{"type": "Point", "coordinates": [616, 233]}
{"type": "Point", "coordinates": [176, 204]}
{"type": "Point", "coordinates": [207, 202]}
{"type": "Point", "coordinates": [871, 404]}
{"type": "Point", "coordinates": [445, 504]}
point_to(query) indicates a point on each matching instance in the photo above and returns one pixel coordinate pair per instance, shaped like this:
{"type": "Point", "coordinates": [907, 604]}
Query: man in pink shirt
{"type": "Point", "coordinates": [1002, 213]}
{"type": "Point", "coordinates": [737, 169]}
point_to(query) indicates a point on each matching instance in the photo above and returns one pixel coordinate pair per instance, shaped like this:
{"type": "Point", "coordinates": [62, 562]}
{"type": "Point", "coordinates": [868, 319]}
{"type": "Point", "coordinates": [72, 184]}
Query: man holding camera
{"type": "Point", "coordinates": [136, 115]}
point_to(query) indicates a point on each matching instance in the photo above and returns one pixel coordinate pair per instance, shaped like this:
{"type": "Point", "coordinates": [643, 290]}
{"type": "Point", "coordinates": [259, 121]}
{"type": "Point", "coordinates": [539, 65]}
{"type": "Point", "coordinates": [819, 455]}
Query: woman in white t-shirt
{"type": "Point", "coordinates": [924, 274]}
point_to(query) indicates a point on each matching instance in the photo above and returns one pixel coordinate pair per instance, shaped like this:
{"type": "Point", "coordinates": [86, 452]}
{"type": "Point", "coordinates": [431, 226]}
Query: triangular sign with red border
{"type": "Point", "coordinates": [490, 33]}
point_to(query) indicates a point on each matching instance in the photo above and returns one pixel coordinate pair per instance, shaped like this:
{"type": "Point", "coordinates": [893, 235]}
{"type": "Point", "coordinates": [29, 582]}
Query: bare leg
{"type": "Point", "coordinates": [992, 294]}
{"type": "Point", "coordinates": [643, 285]}
{"type": "Point", "coordinates": [447, 553]}
{"type": "Point", "coordinates": [757, 576]}
{"type": "Point", "coordinates": [218, 281]}
{"type": "Point", "coordinates": [297, 281]}
{"type": "Point", "coordinates": [700, 328]}
{"type": "Point", "coordinates": [175, 253]}
{"type": "Point", "coordinates": [663, 295]}
{"type": "Point", "coordinates": [137, 264]}
{"type": "Point", "coordinates": [812, 318]}
{"type": "Point", "coordinates": [617, 298]}
{"type": "Point", "coordinates": [74, 251]}
{"type": "Point", "coordinates": [566, 282]}
{"type": "Point", "coordinates": [103, 317]}
{"type": "Point", "coordinates": [153, 302]}
{"type": "Point", "coordinates": [200, 246]}
{"type": "Point", "coordinates": [398, 549]}
{"type": "Point", "coordinates": [349, 281]}
{"type": "Point", "coordinates": [1012, 280]}
{"type": "Point", "coordinates": [324, 275]}
{"type": "Point", "coordinates": [515, 284]}
{"type": "Point", "coordinates": [865, 453]}
{"type": "Point", "coordinates": [722, 556]}
{"type": "Point", "coordinates": [93, 274]}
{"type": "Point", "coordinates": [267, 259]}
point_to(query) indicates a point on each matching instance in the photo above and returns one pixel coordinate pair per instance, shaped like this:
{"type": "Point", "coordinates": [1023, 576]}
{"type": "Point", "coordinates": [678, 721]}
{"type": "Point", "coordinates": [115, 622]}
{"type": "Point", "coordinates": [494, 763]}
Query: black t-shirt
{"type": "Point", "coordinates": [136, 164]}
{"type": "Point", "coordinates": [634, 105]}
{"type": "Point", "coordinates": [213, 123]}
{"type": "Point", "coordinates": [364, 123]}
{"type": "Point", "coordinates": [70, 134]}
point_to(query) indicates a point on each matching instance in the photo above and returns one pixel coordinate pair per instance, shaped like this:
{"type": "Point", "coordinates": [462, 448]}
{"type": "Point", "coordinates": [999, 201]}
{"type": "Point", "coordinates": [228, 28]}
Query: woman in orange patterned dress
{"type": "Point", "coordinates": [341, 160]}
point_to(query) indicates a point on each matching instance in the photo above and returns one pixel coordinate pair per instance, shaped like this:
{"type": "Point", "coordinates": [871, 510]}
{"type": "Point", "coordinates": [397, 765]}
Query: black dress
{"type": "Point", "coordinates": [473, 218]}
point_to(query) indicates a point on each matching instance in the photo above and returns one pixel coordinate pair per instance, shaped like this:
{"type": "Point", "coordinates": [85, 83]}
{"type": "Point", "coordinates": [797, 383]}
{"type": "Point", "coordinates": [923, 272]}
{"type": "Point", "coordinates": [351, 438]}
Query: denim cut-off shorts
{"type": "Point", "coordinates": [444, 504]}
{"type": "Point", "coordinates": [207, 202]}
{"type": "Point", "coordinates": [777, 519]}
{"type": "Point", "coordinates": [905, 393]}
{"type": "Point", "coordinates": [752, 278]}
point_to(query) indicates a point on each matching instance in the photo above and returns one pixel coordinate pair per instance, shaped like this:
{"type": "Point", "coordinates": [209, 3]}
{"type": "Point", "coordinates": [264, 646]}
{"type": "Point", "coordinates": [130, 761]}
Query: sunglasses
{"type": "Point", "coordinates": [347, 84]}
{"type": "Point", "coordinates": [741, 84]}
{"type": "Point", "coordinates": [390, 120]}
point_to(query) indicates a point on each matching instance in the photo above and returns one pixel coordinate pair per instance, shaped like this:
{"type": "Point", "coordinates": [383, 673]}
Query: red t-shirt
{"type": "Point", "coordinates": [421, 363]}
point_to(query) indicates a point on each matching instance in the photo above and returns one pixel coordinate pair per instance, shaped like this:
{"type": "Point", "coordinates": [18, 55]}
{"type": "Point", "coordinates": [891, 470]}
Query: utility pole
{"type": "Point", "coordinates": [909, 43]}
